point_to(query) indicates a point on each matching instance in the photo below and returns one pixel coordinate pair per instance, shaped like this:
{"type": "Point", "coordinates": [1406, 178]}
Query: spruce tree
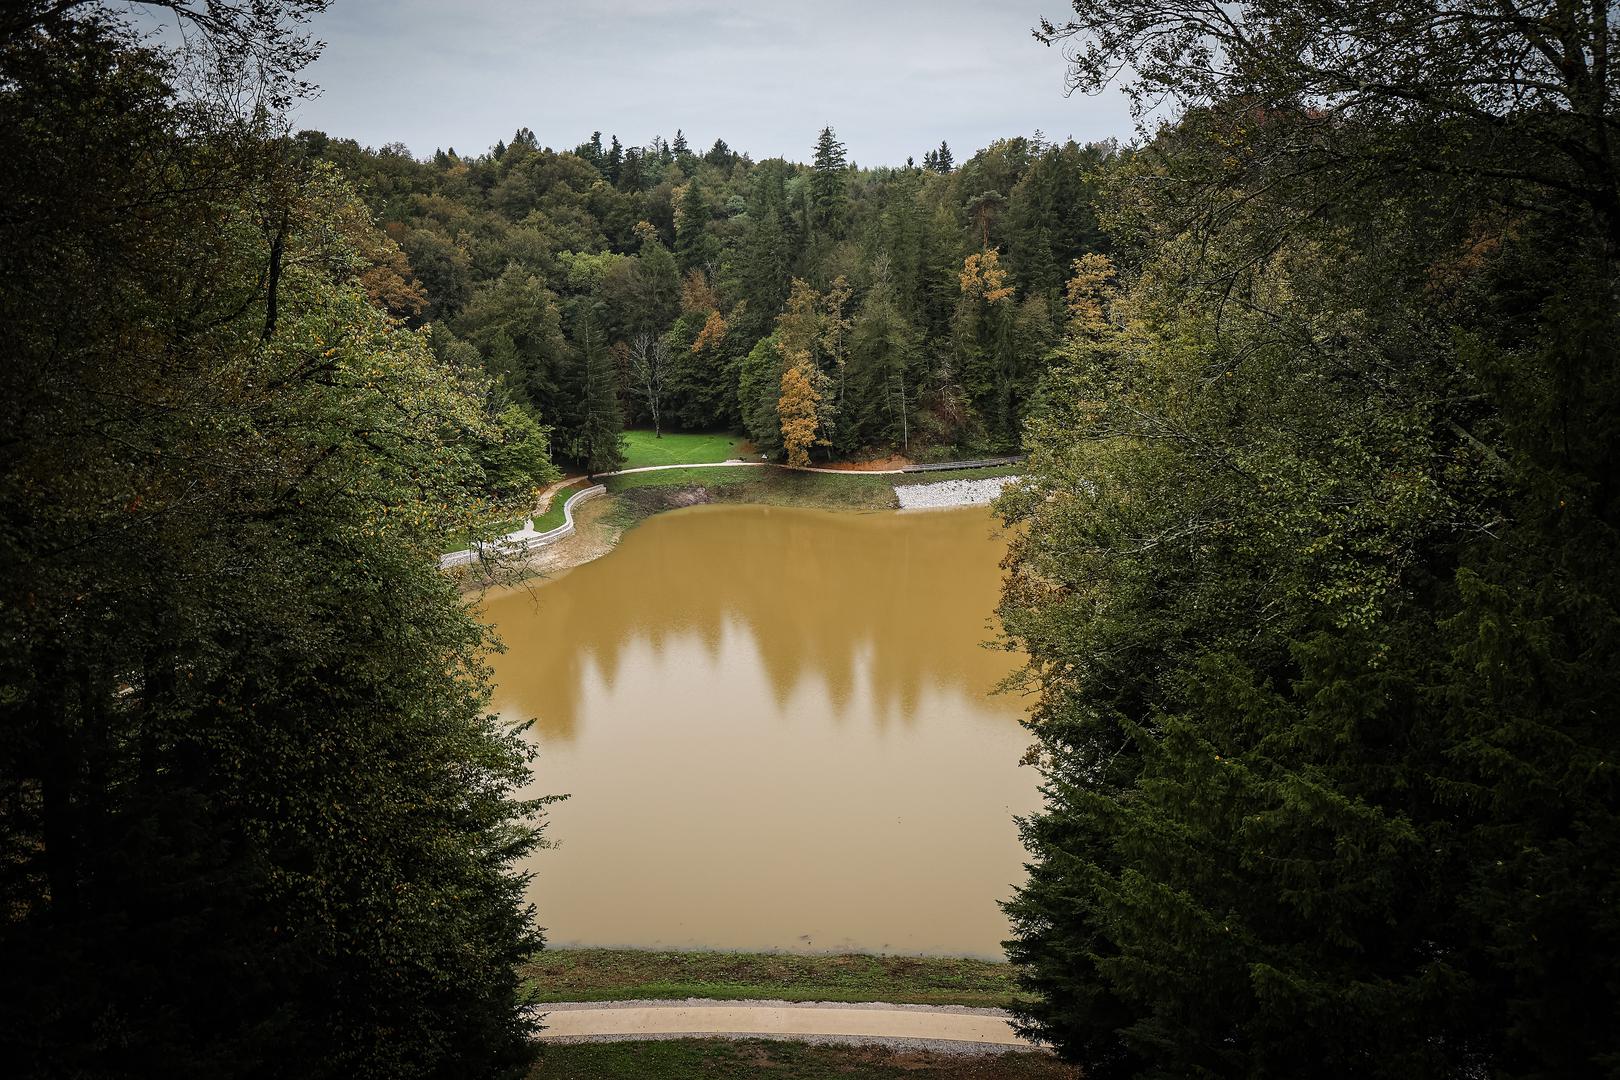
{"type": "Point", "coordinates": [695, 245]}
{"type": "Point", "coordinates": [829, 182]}
{"type": "Point", "coordinates": [599, 443]}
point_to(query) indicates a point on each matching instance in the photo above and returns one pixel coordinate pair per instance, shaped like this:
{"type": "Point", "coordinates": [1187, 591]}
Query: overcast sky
{"type": "Point", "coordinates": [893, 77]}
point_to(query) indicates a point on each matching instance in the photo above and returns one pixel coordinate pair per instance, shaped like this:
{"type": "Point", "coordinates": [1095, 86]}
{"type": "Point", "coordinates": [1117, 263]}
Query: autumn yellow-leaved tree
{"type": "Point", "coordinates": [982, 278]}
{"type": "Point", "coordinates": [1089, 293]}
{"type": "Point", "coordinates": [797, 408]}
{"type": "Point", "coordinates": [712, 334]}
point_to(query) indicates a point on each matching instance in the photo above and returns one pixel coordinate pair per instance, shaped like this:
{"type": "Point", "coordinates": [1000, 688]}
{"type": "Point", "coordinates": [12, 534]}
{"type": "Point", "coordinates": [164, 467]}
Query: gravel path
{"type": "Point", "coordinates": [947, 1028]}
{"type": "Point", "coordinates": [950, 493]}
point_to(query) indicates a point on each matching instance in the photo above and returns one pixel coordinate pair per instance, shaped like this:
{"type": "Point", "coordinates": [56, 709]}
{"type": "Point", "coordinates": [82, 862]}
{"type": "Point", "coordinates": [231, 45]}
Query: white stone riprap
{"type": "Point", "coordinates": [949, 493]}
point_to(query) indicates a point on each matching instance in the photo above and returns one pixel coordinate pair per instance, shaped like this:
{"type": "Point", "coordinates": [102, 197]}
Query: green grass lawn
{"type": "Point", "coordinates": [677, 448]}
{"type": "Point", "coordinates": [629, 974]}
{"type": "Point", "coordinates": [767, 486]}
{"type": "Point", "coordinates": [553, 516]}
{"type": "Point", "coordinates": [722, 1059]}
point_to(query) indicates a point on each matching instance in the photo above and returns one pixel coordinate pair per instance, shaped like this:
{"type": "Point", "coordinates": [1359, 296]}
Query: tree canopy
{"type": "Point", "coordinates": [1317, 559]}
{"type": "Point", "coordinates": [255, 816]}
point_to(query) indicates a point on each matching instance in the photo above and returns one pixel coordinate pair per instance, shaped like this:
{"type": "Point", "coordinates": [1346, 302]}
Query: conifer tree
{"type": "Point", "coordinates": [829, 183]}
{"type": "Point", "coordinates": [599, 442]}
{"type": "Point", "coordinates": [695, 245]}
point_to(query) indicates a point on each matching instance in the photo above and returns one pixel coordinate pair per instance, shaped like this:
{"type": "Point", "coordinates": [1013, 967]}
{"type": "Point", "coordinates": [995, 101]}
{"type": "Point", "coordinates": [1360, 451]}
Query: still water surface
{"type": "Point", "coordinates": [777, 731]}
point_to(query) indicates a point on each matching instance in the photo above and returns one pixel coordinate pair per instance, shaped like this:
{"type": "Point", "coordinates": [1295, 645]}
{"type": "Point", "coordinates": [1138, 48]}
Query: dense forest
{"type": "Point", "coordinates": [913, 306]}
{"type": "Point", "coordinates": [1316, 561]}
{"type": "Point", "coordinates": [255, 816]}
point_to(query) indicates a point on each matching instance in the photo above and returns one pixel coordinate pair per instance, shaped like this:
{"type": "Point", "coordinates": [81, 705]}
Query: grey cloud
{"type": "Point", "coordinates": [894, 78]}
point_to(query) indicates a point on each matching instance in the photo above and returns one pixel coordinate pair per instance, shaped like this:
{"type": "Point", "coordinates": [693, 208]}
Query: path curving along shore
{"type": "Point", "coordinates": [526, 538]}
{"type": "Point", "coordinates": [946, 493]}
{"type": "Point", "coordinates": [951, 1029]}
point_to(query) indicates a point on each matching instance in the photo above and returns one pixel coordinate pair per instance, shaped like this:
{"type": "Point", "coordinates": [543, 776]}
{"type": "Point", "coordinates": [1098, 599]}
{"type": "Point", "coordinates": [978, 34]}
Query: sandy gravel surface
{"type": "Point", "coordinates": [949, 493]}
{"type": "Point", "coordinates": [947, 1028]}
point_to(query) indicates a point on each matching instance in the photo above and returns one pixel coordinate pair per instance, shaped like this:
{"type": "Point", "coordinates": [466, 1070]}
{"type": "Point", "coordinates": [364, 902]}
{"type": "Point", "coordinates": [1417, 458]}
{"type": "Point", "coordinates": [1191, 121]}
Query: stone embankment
{"type": "Point", "coordinates": [949, 493]}
{"type": "Point", "coordinates": [526, 538]}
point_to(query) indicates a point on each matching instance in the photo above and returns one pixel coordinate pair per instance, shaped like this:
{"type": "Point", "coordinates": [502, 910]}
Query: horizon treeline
{"type": "Point", "coordinates": [907, 307]}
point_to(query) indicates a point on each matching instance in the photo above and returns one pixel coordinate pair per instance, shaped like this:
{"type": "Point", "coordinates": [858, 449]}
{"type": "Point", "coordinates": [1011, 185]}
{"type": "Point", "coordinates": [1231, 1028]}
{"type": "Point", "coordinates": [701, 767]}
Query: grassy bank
{"type": "Point", "coordinates": [785, 487]}
{"type": "Point", "coordinates": [677, 448]}
{"type": "Point", "coordinates": [553, 516]}
{"type": "Point", "coordinates": [628, 974]}
{"type": "Point", "coordinates": [719, 1059]}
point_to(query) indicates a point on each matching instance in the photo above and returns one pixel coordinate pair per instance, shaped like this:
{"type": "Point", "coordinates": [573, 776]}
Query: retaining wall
{"type": "Point", "coordinates": [524, 539]}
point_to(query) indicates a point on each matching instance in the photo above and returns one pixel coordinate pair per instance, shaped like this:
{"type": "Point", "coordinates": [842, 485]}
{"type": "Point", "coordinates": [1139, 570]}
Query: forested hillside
{"type": "Point", "coordinates": [913, 306]}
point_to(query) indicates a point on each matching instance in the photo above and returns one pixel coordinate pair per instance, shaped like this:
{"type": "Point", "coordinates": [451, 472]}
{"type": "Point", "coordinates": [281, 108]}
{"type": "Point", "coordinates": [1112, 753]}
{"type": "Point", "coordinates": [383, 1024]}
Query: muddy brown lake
{"type": "Point", "coordinates": [777, 730]}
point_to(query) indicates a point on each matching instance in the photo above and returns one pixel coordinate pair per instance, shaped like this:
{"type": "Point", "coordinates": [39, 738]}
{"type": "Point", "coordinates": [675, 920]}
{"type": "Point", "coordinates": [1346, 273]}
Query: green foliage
{"type": "Point", "coordinates": [598, 443]}
{"type": "Point", "coordinates": [828, 184]}
{"type": "Point", "coordinates": [758, 388]}
{"type": "Point", "coordinates": [520, 462]}
{"type": "Point", "coordinates": [520, 251]}
{"type": "Point", "coordinates": [255, 817]}
{"type": "Point", "coordinates": [716, 1059]}
{"type": "Point", "coordinates": [1317, 570]}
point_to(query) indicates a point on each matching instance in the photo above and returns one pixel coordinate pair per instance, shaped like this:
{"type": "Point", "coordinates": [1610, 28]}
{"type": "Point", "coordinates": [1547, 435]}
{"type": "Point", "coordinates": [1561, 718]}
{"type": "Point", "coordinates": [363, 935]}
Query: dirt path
{"type": "Point", "coordinates": [952, 1028]}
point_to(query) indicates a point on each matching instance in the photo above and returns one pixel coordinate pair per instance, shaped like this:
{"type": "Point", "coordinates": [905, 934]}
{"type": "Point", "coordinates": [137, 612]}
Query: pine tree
{"type": "Point", "coordinates": [829, 183]}
{"type": "Point", "coordinates": [1323, 627]}
{"type": "Point", "coordinates": [943, 162]}
{"type": "Point", "coordinates": [695, 245]}
{"type": "Point", "coordinates": [592, 152]}
{"type": "Point", "coordinates": [599, 442]}
{"type": "Point", "coordinates": [720, 155]}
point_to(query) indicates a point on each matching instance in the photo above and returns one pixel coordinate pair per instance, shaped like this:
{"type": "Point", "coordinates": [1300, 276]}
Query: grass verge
{"type": "Point", "coordinates": [553, 516]}
{"type": "Point", "coordinates": [629, 974]}
{"type": "Point", "coordinates": [677, 448]}
{"type": "Point", "coordinates": [644, 494]}
{"type": "Point", "coordinates": [721, 1059]}
{"type": "Point", "coordinates": [769, 486]}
